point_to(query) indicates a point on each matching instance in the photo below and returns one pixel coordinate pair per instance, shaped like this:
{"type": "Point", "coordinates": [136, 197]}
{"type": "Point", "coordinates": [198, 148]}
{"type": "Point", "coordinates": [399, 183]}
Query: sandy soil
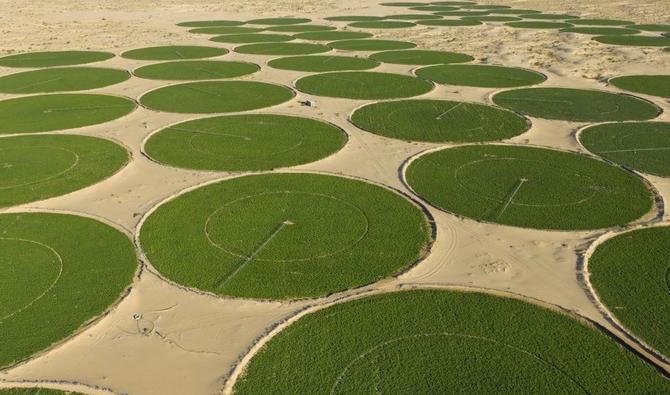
{"type": "Point", "coordinates": [163, 339]}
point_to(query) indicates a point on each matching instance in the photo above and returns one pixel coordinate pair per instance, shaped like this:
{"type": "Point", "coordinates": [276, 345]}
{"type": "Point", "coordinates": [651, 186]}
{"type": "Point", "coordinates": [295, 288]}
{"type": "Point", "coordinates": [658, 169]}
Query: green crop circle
{"type": "Point", "coordinates": [451, 22]}
{"type": "Point", "coordinates": [412, 17]}
{"type": "Point", "coordinates": [550, 17]}
{"type": "Point", "coordinates": [252, 38]}
{"type": "Point", "coordinates": [529, 187]}
{"type": "Point", "coordinates": [226, 30]}
{"type": "Point", "coordinates": [539, 25]}
{"type": "Point", "coordinates": [61, 79]}
{"type": "Point", "coordinates": [420, 57]}
{"type": "Point", "coordinates": [382, 24]}
{"type": "Point", "coordinates": [195, 70]}
{"type": "Point", "coordinates": [282, 49]}
{"type": "Point", "coordinates": [54, 58]}
{"type": "Point", "coordinates": [363, 85]}
{"type": "Point", "coordinates": [655, 85]}
{"type": "Point", "coordinates": [332, 35]}
{"type": "Point", "coordinates": [212, 23]}
{"type": "Point", "coordinates": [244, 142]}
{"type": "Point", "coordinates": [284, 236]}
{"type": "Point", "coordinates": [370, 45]}
{"type": "Point", "coordinates": [353, 18]}
{"type": "Point", "coordinates": [174, 52]}
{"type": "Point", "coordinates": [600, 30]}
{"type": "Point", "coordinates": [600, 22]}
{"type": "Point", "coordinates": [639, 41]}
{"type": "Point", "coordinates": [300, 28]}
{"type": "Point", "coordinates": [322, 63]}
{"type": "Point", "coordinates": [278, 21]}
{"type": "Point", "coordinates": [480, 75]}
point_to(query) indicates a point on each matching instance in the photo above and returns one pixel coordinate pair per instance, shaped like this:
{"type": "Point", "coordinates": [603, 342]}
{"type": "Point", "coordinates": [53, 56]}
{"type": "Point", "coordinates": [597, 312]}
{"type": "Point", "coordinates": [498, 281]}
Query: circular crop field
{"type": "Point", "coordinates": [284, 236]}
{"type": "Point", "coordinates": [420, 57]}
{"type": "Point", "coordinates": [551, 17]}
{"type": "Point", "coordinates": [493, 18]}
{"type": "Point", "coordinates": [485, 7]}
{"type": "Point", "coordinates": [332, 36]}
{"type": "Point", "coordinates": [640, 41]}
{"type": "Point", "coordinates": [515, 11]}
{"type": "Point", "coordinates": [245, 142]}
{"type": "Point", "coordinates": [451, 22]}
{"type": "Point", "coordinates": [43, 113]}
{"type": "Point", "coordinates": [252, 38]}
{"type": "Point", "coordinates": [436, 342]}
{"type": "Point", "coordinates": [323, 63]}
{"type": "Point", "coordinates": [226, 30]}
{"type": "Point", "coordinates": [58, 270]}
{"type": "Point", "coordinates": [282, 49]}
{"type": "Point", "coordinates": [195, 70]}
{"type": "Point", "coordinates": [655, 85]}
{"type": "Point", "coordinates": [412, 17]}
{"type": "Point", "coordinates": [61, 79]}
{"type": "Point", "coordinates": [174, 52]}
{"type": "Point", "coordinates": [462, 13]}
{"type": "Point", "coordinates": [363, 85]}
{"type": "Point", "coordinates": [382, 24]}
{"type": "Point", "coordinates": [600, 22]}
{"type": "Point", "coordinates": [480, 75]}
{"type": "Point", "coordinates": [278, 21]}
{"type": "Point", "coordinates": [578, 105]}
{"type": "Point", "coordinates": [353, 18]}
{"type": "Point", "coordinates": [300, 28]}
{"type": "Point", "coordinates": [434, 8]}
{"type": "Point", "coordinates": [539, 25]}
{"type": "Point", "coordinates": [54, 58]}
{"type": "Point", "coordinates": [651, 27]}
{"type": "Point", "coordinates": [600, 30]}
{"type": "Point", "coordinates": [529, 187]}
{"type": "Point", "coordinates": [370, 45]}
{"type": "Point", "coordinates": [630, 273]}
{"type": "Point", "coordinates": [644, 146]}
{"type": "Point", "coordinates": [216, 96]}
{"type": "Point", "coordinates": [214, 23]}
{"type": "Point", "coordinates": [38, 167]}
{"type": "Point", "coordinates": [439, 121]}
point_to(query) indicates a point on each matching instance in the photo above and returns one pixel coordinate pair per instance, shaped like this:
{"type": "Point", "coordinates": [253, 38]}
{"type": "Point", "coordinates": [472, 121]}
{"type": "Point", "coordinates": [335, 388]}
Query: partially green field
{"type": "Point", "coordinates": [216, 96]}
{"type": "Point", "coordinates": [244, 142]}
{"type": "Point", "coordinates": [61, 79]}
{"type": "Point", "coordinates": [174, 52]}
{"type": "Point", "coordinates": [539, 25]}
{"type": "Point", "coordinates": [651, 27]}
{"type": "Point", "coordinates": [551, 17]}
{"type": "Point", "coordinates": [600, 22]}
{"type": "Point", "coordinates": [59, 272]}
{"type": "Point", "coordinates": [284, 236]}
{"type": "Point", "coordinates": [443, 342]}
{"type": "Point", "coordinates": [643, 146]}
{"type": "Point", "coordinates": [439, 121]}
{"type": "Point", "coordinates": [371, 45]}
{"type": "Point", "coordinates": [300, 28]}
{"type": "Point", "coordinates": [282, 49]}
{"type": "Point", "coordinates": [226, 30]}
{"type": "Point", "coordinates": [278, 21]}
{"type": "Point", "coordinates": [420, 57]}
{"type": "Point", "coordinates": [35, 391]}
{"type": "Point", "coordinates": [44, 113]}
{"type": "Point", "coordinates": [54, 58]}
{"type": "Point", "coordinates": [252, 38]}
{"type": "Point", "coordinates": [639, 41]}
{"type": "Point", "coordinates": [655, 85]}
{"type": "Point", "coordinates": [212, 23]}
{"type": "Point", "coordinates": [600, 30]}
{"type": "Point", "coordinates": [480, 75]}
{"type": "Point", "coordinates": [451, 22]}
{"type": "Point", "coordinates": [195, 70]}
{"type": "Point", "coordinates": [382, 24]}
{"type": "Point", "coordinates": [579, 105]}
{"type": "Point", "coordinates": [529, 187]}
{"type": "Point", "coordinates": [631, 275]}
{"type": "Point", "coordinates": [323, 63]}
{"type": "Point", "coordinates": [363, 85]}
{"type": "Point", "coordinates": [353, 18]}
{"type": "Point", "coordinates": [332, 36]}
{"type": "Point", "coordinates": [38, 167]}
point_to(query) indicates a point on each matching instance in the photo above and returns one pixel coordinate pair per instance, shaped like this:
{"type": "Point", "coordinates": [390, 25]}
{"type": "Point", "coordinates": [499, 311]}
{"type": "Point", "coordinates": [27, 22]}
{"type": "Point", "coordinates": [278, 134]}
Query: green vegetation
{"type": "Point", "coordinates": [401, 4]}
{"type": "Point", "coordinates": [382, 24]}
{"type": "Point", "coordinates": [174, 52]}
{"type": "Point", "coordinates": [363, 85]}
{"type": "Point", "coordinates": [412, 17]}
{"type": "Point", "coordinates": [436, 342]}
{"type": "Point", "coordinates": [650, 27]}
{"type": "Point", "coordinates": [577, 105]}
{"type": "Point", "coordinates": [284, 236]}
{"type": "Point", "coordinates": [252, 38]}
{"type": "Point", "coordinates": [226, 30]}
{"type": "Point", "coordinates": [353, 18]}
{"type": "Point", "coordinates": [600, 30]}
{"type": "Point", "coordinates": [282, 49]}
{"type": "Point", "coordinates": [61, 79]}
{"type": "Point", "coordinates": [195, 70]}
{"type": "Point", "coordinates": [451, 22]}
{"type": "Point", "coordinates": [278, 21]}
{"type": "Point", "coordinates": [59, 272]}
{"type": "Point", "coordinates": [322, 63]}
{"type": "Point", "coordinates": [44, 113]}
{"type": "Point", "coordinates": [539, 25]}
{"type": "Point", "coordinates": [370, 45]}
{"type": "Point", "coordinates": [644, 146]}
{"type": "Point", "coordinates": [529, 187]}
{"type": "Point", "coordinates": [452, 3]}
{"type": "Point", "coordinates": [421, 57]}
{"type": "Point", "coordinates": [515, 11]}
{"type": "Point", "coordinates": [640, 41]}
{"type": "Point", "coordinates": [485, 7]}
{"type": "Point", "coordinates": [550, 16]}
{"type": "Point", "coordinates": [462, 13]}
{"type": "Point", "coordinates": [215, 96]}
{"type": "Point", "coordinates": [439, 121]}
{"type": "Point", "coordinates": [480, 75]}
{"type": "Point", "coordinates": [631, 274]}
{"type": "Point", "coordinates": [493, 18]}
{"type": "Point", "coordinates": [655, 85]}
{"type": "Point", "coordinates": [54, 58]}
{"type": "Point", "coordinates": [332, 36]}
{"type": "Point", "coordinates": [35, 391]}
{"type": "Point", "coordinates": [434, 8]}
{"type": "Point", "coordinates": [244, 142]}
{"type": "Point", "coordinates": [39, 167]}
{"type": "Point", "coordinates": [215, 23]}
{"type": "Point", "coordinates": [300, 28]}
{"type": "Point", "coordinates": [600, 22]}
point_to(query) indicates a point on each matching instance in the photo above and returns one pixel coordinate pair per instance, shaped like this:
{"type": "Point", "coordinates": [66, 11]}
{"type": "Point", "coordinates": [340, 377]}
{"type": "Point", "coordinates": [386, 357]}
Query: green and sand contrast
{"type": "Point", "coordinates": [244, 142]}
{"type": "Point", "coordinates": [363, 85]}
{"type": "Point", "coordinates": [655, 85]}
{"type": "Point", "coordinates": [443, 341]}
{"type": "Point", "coordinates": [284, 236]}
{"type": "Point", "coordinates": [600, 22]}
{"type": "Point", "coordinates": [54, 58]}
{"type": "Point", "coordinates": [643, 146]}
{"type": "Point", "coordinates": [439, 121]}
{"type": "Point", "coordinates": [252, 38]}
{"type": "Point", "coordinates": [480, 75]}
{"type": "Point", "coordinates": [450, 22]}
{"type": "Point", "coordinates": [382, 24]}
{"type": "Point", "coordinates": [529, 187]}
{"type": "Point", "coordinates": [59, 272]}
{"type": "Point", "coordinates": [226, 30]}
{"type": "Point", "coordinates": [212, 23]}
{"type": "Point", "coordinates": [599, 30]}
{"type": "Point", "coordinates": [638, 41]}
{"type": "Point", "coordinates": [43, 113]}
{"type": "Point", "coordinates": [576, 105]}
{"type": "Point", "coordinates": [370, 45]}
{"type": "Point", "coordinates": [631, 275]}
{"type": "Point", "coordinates": [278, 21]}
{"type": "Point", "coordinates": [323, 63]}
{"type": "Point", "coordinates": [332, 36]}
{"type": "Point", "coordinates": [282, 49]}
{"type": "Point", "coordinates": [353, 18]}
{"type": "Point", "coordinates": [61, 79]}
{"type": "Point", "coordinates": [420, 57]}
{"type": "Point", "coordinates": [300, 28]}
{"type": "Point", "coordinates": [539, 25]}
{"type": "Point", "coordinates": [215, 96]}
{"type": "Point", "coordinates": [195, 70]}
{"type": "Point", "coordinates": [39, 167]}
{"type": "Point", "coordinates": [174, 52]}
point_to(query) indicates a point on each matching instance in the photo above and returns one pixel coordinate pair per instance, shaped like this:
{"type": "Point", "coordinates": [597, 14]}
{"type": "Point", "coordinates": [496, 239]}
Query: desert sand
{"type": "Point", "coordinates": [164, 339]}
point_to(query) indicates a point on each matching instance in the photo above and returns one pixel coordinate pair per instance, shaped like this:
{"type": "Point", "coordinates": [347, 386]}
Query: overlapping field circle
{"type": "Point", "coordinates": [195, 70]}
{"type": "Point", "coordinates": [54, 58]}
{"type": "Point", "coordinates": [420, 57]}
{"type": "Point", "coordinates": [322, 63]}
{"type": "Point", "coordinates": [654, 85]}
{"type": "Point", "coordinates": [478, 75]}
{"type": "Point", "coordinates": [245, 142]}
{"type": "Point", "coordinates": [284, 236]}
{"type": "Point", "coordinates": [174, 52]}
{"type": "Point", "coordinates": [363, 85]}
{"type": "Point", "coordinates": [529, 187]}
{"type": "Point", "coordinates": [433, 341]}
{"type": "Point", "coordinates": [439, 121]}
{"type": "Point", "coordinates": [61, 79]}
{"type": "Point", "coordinates": [62, 282]}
